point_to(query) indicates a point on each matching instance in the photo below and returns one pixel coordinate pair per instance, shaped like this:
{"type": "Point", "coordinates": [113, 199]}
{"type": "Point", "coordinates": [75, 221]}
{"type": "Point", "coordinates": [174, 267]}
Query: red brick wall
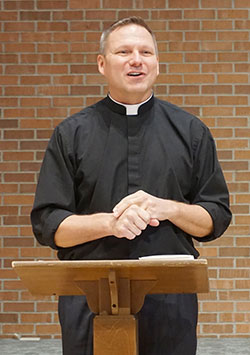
{"type": "Point", "coordinates": [48, 67]}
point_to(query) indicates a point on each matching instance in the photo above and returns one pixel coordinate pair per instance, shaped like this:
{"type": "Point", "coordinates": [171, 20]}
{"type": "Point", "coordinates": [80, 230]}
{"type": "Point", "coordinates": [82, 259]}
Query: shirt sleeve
{"type": "Point", "coordinates": [209, 187]}
{"type": "Point", "coordinates": [55, 197]}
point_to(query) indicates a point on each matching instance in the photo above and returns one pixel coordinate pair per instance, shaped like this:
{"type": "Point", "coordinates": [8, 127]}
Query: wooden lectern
{"type": "Point", "coordinates": [115, 290]}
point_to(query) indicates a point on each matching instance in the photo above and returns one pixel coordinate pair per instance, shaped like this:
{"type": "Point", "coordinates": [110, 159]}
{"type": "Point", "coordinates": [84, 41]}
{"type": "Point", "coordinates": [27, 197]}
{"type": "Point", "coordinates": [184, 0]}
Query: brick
{"type": "Point", "coordinates": [35, 58]}
{"type": "Point", "coordinates": [218, 328]}
{"type": "Point", "coordinates": [166, 14]}
{"type": "Point", "coordinates": [184, 89]}
{"type": "Point", "coordinates": [243, 328]}
{"type": "Point", "coordinates": [8, 80]}
{"type": "Point", "coordinates": [8, 15]}
{"type": "Point", "coordinates": [19, 91]}
{"type": "Point", "coordinates": [232, 14]}
{"type": "Point", "coordinates": [200, 57]}
{"type": "Point", "coordinates": [38, 102]}
{"type": "Point", "coordinates": [233, 36]}
{"type": "Point", "coordinates": [242, 46]}
{"type": "Point", "coordinates": [232, 78]}
{"type": "Point", "coordinates": [18, 156]}
{"type": "Point", "coordinates": [19, 47]}
{"type": "Point", "coordinates": [238, 165]}
{"type": "Point", "coordinates": [200, 14]}
{"type": "Point", "coordinates": [8, 58]}
{"type": "Point", "coordinates": [200, 36]}
{"type": "Point", "coordinates": [53, 90]}
{"type": "Point", "coordinates": [43, 4]}
{"type": "Point", "coordinates": [65, 101]}
{"type": "Point", "coordinates": [242, 89]}
{"type": "Point", "coordinates": [183, 68]}
{"type": "Point", "coordinates": [34, 15]}
{"type": "Point", "coordinates": [199, 100]}
{"type": "Point", "coordinates": [242, 154]}
{"type": "Point", "coordinates": [36, 318]}
{"type": "Point", "coordinates": [184, 25]}
{"type": "Point", "coordinates": [232, 57]}
{"type": "Point", "coordinates": [222, 133]}
{"type": "Point", "coordinates": [8, 188]}
{"type": "Point", "coordinates": [68, 58]}
{"type": "Point", "coordinates": [20, 69]}
{"type": "Point", "coordinates": [148, 3]}
{"type": "Point", "coordinates": [183, 4]}
{"type": "Point", "coordinates": [88, 26]}
{"type": "Point", "coordinates": [232, 100]}
{"type": "Point", "coordinates": [18, 328]}
{"type": "Point", "coordinates": [8, 296]}
{"type": "Point", "coordinates": [14, 5]}
{"type": "Point", "coordinates": [239, 132]}
{"type": "Point", "coordinates": [243, 111]}
{"type": "Point", "coordinates": [83, 90]}
{"type": "Point", "coordinates": [184, 46]}
{"type": "Point", "coordinates": [68, 15]}
{"type": "Point", "coordinates": [214, 4]}
{"type": "Point", "coordinates": [198, 78]}
{"type": "Point", "coordinates": [218, 307]}
{"type": "Point", "coordinates": [88, 4]}
{"type": "Point", "coordinates": [46, 306]}
{"type": "Point", "coordinates": [48, 329]}
{"type": "Point", "coordinates": [19, 26]}
{"type": "Point", "coordinates": [241, 3]}
{"type": "Point", "coordinates": [52, 69]}
{"type": "Point", "coordinates": [217, 89]}
{"type": "Point", "coordinates": [234, 122]}
{"type": "Point", "coordinates": [171, 57]}
{"type": "Point", "coordinates": [20, 113]}
{"type": "Point", "coordinates": [217, 46]}
{"type": "Point", "coordinates": [234, 251]}
{"type": "Point", "coordinates": [244, 67]}
{"type": "Point", "coordinates": [36, 37]}
{"type": "Point", "coordinates": [217, 25]}
{"type": "Point", "coordinates": [52, 26]}
{"type": "Point", "coordinates": [18, 199]}
{"type": "Point", "coordinates": [35, 80]}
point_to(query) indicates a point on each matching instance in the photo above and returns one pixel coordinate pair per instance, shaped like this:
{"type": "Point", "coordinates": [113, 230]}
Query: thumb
{"type": "Point", "coordinates": [154, 222]}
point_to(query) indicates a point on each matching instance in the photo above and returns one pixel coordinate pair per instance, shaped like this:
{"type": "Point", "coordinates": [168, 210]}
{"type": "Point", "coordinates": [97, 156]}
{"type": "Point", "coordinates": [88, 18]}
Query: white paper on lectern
{"type": "Point", "coordinates": [168, 257]}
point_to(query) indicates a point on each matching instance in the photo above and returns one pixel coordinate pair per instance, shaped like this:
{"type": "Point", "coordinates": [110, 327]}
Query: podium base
{"type": "Point", "coordinates": [115, 334]}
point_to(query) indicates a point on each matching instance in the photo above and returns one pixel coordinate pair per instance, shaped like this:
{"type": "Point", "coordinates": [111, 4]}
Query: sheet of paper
{"type": "Point", "coordinates": [167, 257]}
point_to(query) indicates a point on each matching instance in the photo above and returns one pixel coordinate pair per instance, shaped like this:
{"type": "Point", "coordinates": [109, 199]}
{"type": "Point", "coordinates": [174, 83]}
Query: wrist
{"type": "Point", "coordinates": [108, 223]}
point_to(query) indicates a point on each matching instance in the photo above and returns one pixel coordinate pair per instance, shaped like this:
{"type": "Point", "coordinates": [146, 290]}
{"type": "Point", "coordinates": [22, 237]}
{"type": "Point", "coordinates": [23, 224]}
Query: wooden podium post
{"type": "Point", "coordinates": [115, 290]}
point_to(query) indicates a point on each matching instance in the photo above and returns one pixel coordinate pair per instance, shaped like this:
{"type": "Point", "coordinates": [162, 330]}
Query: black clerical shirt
{"type": "Point", "coordinates": [100, 155]}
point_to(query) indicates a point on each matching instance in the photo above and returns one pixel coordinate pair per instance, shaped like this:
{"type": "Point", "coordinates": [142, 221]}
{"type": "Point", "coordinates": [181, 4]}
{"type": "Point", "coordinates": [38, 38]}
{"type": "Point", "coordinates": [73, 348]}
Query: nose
{"type": "Point", "coordinates": [135, 59]}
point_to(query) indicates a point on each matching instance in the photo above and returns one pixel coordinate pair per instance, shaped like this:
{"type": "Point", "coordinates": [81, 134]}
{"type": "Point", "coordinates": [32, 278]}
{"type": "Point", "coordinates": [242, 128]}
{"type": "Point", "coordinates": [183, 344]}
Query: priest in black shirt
{"type": "Point", "coordinates": [130, 176]}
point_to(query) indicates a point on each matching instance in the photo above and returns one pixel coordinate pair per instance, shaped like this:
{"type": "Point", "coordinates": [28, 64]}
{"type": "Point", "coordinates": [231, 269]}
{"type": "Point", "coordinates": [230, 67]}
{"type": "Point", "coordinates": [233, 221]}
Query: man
{"type": "Point", "coordinates": [130, 176]}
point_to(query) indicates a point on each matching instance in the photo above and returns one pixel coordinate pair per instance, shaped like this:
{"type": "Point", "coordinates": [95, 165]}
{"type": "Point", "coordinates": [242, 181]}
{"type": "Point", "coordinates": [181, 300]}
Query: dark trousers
{"type": "Point", "coordinates": [167, 325]}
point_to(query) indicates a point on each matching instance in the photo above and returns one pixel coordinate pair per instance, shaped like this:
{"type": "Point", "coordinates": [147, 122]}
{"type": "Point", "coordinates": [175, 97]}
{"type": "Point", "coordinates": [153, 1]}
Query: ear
{"type": "Point", "coordinates": [158, 65]}
{"type": "Point", "coordinates": [101, 63]}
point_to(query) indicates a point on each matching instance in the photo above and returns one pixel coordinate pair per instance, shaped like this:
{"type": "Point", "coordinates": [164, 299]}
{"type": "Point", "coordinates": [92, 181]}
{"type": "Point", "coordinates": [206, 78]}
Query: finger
{"type": "Point", "coordinates": [124, 204]}
{"type": "Point", "coordinates": [154, 222]}
{"type": "Point", "coordinates": [138, 198]}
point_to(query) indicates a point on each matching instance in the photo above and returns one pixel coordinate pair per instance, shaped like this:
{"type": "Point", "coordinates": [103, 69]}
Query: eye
{"type": "Point", "coordinates": [122, 52]}
{"type": "Point", "coordinates": [147, 52]}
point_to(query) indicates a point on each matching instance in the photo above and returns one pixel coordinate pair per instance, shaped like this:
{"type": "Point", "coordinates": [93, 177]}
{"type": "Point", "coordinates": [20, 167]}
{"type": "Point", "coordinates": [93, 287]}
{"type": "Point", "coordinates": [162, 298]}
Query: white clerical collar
{"type": "Point", "coordinates": [131, 109]}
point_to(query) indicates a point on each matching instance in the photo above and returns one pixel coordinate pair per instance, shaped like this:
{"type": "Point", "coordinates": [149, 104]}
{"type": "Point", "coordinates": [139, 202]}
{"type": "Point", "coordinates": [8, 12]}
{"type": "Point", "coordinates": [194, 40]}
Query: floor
{"type": "Point", "coordinates": [206, 346]}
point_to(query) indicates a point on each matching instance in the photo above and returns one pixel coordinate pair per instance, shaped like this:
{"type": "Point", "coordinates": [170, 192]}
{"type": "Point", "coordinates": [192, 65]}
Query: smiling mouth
{"type": "Point", "coordinates": [135, 74]}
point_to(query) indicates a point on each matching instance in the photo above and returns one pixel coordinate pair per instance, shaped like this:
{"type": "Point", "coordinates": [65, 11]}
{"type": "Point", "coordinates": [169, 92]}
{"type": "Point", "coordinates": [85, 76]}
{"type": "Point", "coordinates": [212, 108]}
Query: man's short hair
{"type": "Point", "coordinates": [133, 20]}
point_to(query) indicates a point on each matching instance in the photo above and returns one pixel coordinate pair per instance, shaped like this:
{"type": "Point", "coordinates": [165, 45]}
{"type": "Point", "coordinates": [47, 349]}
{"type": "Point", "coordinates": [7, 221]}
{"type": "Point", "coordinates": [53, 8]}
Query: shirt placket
{"type": "Point", "coordinates": [133, 154]}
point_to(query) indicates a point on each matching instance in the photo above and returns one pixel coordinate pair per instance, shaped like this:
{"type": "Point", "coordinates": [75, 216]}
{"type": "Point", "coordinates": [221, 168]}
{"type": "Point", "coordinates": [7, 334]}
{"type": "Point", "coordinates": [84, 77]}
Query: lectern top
{"type": "Point", "coordinates": [62, 277]}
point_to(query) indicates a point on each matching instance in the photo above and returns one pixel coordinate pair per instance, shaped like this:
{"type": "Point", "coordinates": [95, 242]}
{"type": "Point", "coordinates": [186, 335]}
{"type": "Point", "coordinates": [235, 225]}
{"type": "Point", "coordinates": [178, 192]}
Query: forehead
{"type": "Point", "coordinates": [128, 35]}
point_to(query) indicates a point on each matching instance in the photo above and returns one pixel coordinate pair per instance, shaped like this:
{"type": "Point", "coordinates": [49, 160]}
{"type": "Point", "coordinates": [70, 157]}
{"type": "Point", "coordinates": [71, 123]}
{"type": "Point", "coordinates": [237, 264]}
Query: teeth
{"type": "Point", "coordinates": [134, 74]}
